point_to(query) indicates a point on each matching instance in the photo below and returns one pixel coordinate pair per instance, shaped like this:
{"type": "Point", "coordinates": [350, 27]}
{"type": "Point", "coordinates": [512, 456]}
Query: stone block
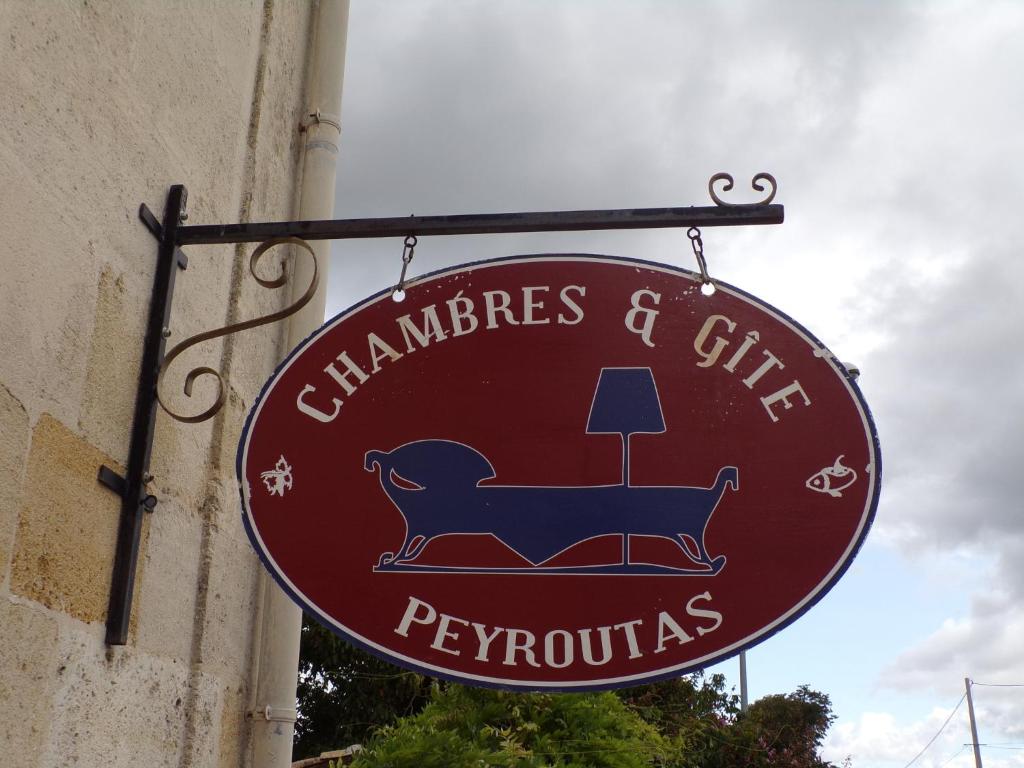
{"type": "Point", "coordinates": [229, 591]}
{"type": "Point", "coordinates": [234, 728]}
{"type": "Point", "coordinates": [28, 678]}
{"type": "Point", "coordinates": [166, 591]}
{"type": "Point", "coordinates": [180, 463]}
{"type": "Point", "coordinates": [67, 527]}
{"type": "Point", "coordinates": [46, 299]}
{"type": "Point", "coordinates": [223, 454]}
{"type": "Point", "coordinates": [121, 708]}
{"type": "Point", "coordinates": [14, 437]}
{"type": "Point", "coordinates": [115, 357]}
{"type": "Point", "coordinates": [111, 97]}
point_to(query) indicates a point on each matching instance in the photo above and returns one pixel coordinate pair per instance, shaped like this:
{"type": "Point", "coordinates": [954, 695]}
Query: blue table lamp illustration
{"type": "Point", "coordinates": [626, 403]}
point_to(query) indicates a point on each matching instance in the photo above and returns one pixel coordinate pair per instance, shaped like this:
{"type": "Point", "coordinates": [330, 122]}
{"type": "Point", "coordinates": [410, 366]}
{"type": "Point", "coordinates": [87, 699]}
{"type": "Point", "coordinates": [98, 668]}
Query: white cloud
{"type": "Point", "coordinates": [985, 646]}
{"type": "Point", "coordinates": [876, 737]}
{"type": "Point", "coordinates": [879, 739]}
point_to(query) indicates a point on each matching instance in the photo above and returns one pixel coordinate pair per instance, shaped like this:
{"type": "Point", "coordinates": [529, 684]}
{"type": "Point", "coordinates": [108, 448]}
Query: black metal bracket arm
{"type": "Point", "coordinates": [171, 234]}
{"type": "Point", "coordinates": [720, 215]}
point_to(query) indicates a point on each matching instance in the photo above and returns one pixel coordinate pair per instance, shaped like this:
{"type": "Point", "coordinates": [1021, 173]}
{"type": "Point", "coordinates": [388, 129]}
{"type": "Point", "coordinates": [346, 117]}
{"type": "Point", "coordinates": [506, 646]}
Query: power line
{"type": "Point", "coordinates": [998, 685]}
{"type": "Point", "coordinates": [933, 738]}
{"type": "Point", "coordinates": [999, 744]}
{"type": "Point", "coordinates": [954, 757]}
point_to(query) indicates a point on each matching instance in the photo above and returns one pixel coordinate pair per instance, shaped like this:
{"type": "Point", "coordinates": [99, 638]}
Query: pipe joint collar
{"type": "Point", "coordinates": [272, 715]}
{"type": "Point", "coordinates": [317, 117]}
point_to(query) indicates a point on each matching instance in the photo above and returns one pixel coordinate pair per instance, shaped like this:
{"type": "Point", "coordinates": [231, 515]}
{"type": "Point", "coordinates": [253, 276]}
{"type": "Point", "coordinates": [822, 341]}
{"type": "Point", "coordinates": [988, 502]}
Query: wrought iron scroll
{"type": "Point", "coordinates": [202, 370]}
{"type": "Point", "coordinates": [755, 184]}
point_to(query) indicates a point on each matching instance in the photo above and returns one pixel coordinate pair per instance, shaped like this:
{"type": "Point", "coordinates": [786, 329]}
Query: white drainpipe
{"type": "Point", "coordinates": [279, 619]}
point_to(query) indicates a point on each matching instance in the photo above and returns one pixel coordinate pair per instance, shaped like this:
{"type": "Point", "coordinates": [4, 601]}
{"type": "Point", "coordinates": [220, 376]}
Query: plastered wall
{"type": "Point", "coordinates": [105, 104]}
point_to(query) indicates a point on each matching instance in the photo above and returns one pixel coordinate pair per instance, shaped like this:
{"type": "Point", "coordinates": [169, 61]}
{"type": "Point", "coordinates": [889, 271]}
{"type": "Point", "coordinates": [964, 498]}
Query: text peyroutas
{"type": "Point", "coordinates": [558, 648]}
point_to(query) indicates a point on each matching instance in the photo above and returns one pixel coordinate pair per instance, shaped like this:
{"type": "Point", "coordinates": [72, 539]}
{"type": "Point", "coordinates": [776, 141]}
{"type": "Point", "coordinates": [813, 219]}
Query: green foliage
{"type": "Point", "coordinates": [695, 714]}
{"type": "Point", "coordinates": [405, 719]}
{"type": "Point", "coordinates": [344, 693]}
{"type": "Point", "coordinates": [786, 730]}
{"type": "Point", "coordinates": [676, 705]}
{"type": "Point", "coordinates": [472, 728]}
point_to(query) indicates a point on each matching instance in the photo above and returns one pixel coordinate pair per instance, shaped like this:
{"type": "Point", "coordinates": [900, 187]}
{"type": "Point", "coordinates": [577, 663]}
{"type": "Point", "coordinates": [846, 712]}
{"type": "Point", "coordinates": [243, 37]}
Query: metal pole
{"type": "Point", "coordinates": [974, 724]}
{"type": "Point", "coordinates": [743, 681]}
{"type": "Point", "coordinates": [485, 223]}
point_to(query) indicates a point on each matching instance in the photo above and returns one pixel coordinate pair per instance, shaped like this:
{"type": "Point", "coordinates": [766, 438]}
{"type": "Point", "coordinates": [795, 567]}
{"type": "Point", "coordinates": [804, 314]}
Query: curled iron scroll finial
{"type": "Point", "coordinates": [195, 373]}
{"type": "Point", "coordinates": [755, 183]}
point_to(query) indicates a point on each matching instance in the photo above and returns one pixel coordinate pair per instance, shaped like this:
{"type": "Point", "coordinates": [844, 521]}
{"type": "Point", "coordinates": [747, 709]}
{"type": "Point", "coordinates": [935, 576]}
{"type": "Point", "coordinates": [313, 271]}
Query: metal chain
{"type": "Point", "coordinates": [698, 250]}
{"type": "Point", "coordinates": [408, 249]}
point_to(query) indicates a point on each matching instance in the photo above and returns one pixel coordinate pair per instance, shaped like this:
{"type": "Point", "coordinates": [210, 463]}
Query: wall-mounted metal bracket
{"type": "Point", "coordinates": [721, 214]}
{"type": "Point", "coordinates": [172, 234]}
{"type": "Point", "coordinates": [135, 500]}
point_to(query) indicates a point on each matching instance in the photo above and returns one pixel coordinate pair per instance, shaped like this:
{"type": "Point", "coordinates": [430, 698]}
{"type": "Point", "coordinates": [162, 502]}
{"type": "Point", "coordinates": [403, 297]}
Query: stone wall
{"type": "Point", "coordinates": [106, 104]}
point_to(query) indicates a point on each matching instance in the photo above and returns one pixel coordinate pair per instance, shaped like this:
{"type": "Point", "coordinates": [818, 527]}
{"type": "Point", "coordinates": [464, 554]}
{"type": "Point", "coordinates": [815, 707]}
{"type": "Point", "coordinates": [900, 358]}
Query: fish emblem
{"type": "Point", "coordinates": [279, 479]}
{"type": "Point", "coordinates": [832, 480]}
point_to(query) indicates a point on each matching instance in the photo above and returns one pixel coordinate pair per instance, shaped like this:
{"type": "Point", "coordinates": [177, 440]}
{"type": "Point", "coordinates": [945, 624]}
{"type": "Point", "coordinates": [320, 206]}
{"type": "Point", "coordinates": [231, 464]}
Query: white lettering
{"type": "Point", "coordinates": [380, 349]}
{"type": "Point", "coordinates": [649, 315]}
{"type": "Point", "coordinates": [629, 628]}
{"type": "Point", "coordinates": [666, 622]}
{"type": "Point", "coordinates": [749, 340]}
{"type": "Point", "coordinates": [429, 616]}
{"type": "Point", "coordinates": [443, 633]}
{"type": "Point", "coordinates": [606, 646]}
{"type": "Point", "coordinates": [549, 648]}
{"type": "Point", "coordinates": [462, 314]}
{"type": "Point", "coordinates": [700, 613]}
{"type": "Point", "coordinates": [485, 639]}
{"type": "Point", "coordinates": [560, 648]}
{"type": "Point", "coordinates": [571, 305]}
{"type": "Point", "coordinates": [351, 369]}
{"type": "Point", "coordinates": [431, 327]}
{"type": "Point", "coordinates": [710, 358]}
{"type": "Point", "coordinates": [783, 396]}
{"type": "Point", "coordinates": [526, 646]}
{"type": "Point", "coordinates": [493, 308]}
{"type": "Point", "coordinates": [766, 366]}
{"type": "Point", "coordinates": [529, 304]}
{"type": "Point", "coordinates": [309, 410]}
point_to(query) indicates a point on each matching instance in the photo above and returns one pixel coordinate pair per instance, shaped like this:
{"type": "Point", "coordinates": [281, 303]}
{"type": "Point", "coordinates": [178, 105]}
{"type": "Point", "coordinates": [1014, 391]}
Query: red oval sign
{"type": "Point", "coordinates": [559, 472]}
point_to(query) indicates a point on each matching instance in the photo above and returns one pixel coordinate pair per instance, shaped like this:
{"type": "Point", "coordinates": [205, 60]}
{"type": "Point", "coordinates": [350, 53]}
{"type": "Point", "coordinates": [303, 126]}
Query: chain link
{"type": "Point", "coordinates": [408, 249]}
{"type": "Point", "coordinates": [410, 246]}
{"type": "Point", "coordinates": [698, 250]}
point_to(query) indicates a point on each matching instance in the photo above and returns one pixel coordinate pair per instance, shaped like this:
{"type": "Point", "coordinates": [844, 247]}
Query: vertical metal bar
{"type": "Point", "coordinates": [132, 510]}
{"type": "Point", "coordinates": [743, 681]}
{"type": "Point", "coordinates": [974, 724]}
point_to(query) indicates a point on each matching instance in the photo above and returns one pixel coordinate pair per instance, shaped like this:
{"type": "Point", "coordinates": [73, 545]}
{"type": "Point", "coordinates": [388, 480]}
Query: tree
{"type": "Point", "coordinates": [786, 730]}
{"type": "Point", "coordinates": [695, 713]}
{"type": "Point", "coordinates": [344, 693]}
{"type": "Point", "coordinates": [675, 705]}
{"type": "Point", "coordinates": [708, 730]}
{"type": "Point", "coordinates": [472, 727]}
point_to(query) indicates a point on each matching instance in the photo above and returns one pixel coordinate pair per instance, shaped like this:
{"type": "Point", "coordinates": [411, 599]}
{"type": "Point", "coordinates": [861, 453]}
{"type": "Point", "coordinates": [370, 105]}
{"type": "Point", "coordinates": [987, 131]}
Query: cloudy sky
{"type": "Point", "coordinates": [895, 131]}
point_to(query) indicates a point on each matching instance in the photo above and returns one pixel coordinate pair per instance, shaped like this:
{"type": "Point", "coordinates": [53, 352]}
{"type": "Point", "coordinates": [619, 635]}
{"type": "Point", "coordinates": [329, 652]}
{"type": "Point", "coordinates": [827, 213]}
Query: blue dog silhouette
{"type": "Point", "coordinates": [437, 487]}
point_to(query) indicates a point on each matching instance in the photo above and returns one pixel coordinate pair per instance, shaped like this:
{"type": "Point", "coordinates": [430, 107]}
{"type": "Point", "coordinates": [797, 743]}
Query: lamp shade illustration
{"type": "Point", "coordinates": [626, 403]}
